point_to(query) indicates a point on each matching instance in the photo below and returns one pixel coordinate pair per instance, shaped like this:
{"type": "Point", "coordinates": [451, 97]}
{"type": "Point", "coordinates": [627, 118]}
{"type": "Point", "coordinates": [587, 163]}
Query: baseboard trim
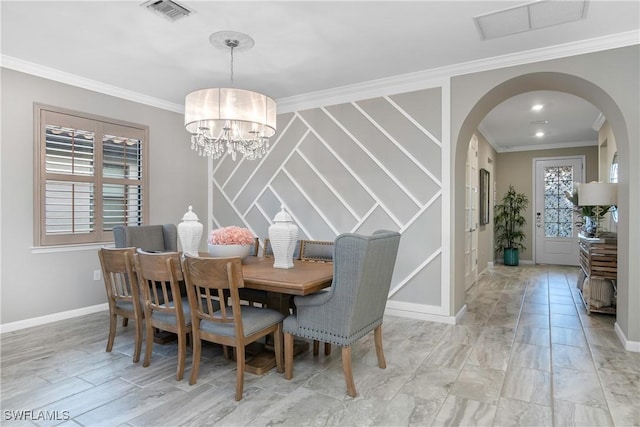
{"type": "Point", "coordinates": [418, 312]}
{"type": "Point", "coordinates": [628, 345]}
{"type": "Point", "coordinates": [460, 314]}
{"type": "Point", "coordinates": [49, 318]}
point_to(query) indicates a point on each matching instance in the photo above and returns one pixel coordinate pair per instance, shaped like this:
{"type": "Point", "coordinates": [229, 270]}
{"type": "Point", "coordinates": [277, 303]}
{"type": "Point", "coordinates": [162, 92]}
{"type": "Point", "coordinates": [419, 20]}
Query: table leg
{"type": "Point", "coordinates": [264, 359]}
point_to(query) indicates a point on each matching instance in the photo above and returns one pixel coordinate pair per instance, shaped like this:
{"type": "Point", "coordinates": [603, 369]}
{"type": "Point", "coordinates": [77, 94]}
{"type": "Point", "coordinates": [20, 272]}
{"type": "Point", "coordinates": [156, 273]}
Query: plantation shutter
{"type": "Point", "coordinates": [91, 178]}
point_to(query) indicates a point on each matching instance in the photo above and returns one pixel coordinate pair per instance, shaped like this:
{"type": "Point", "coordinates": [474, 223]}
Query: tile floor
{"type": "Point", "coordinates": [525, 353]}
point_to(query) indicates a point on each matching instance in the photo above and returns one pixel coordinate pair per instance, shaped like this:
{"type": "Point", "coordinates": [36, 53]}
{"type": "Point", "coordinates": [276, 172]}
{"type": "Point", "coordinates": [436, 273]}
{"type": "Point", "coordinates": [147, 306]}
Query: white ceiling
{"type": "Point", "coordinates": [301, 47]}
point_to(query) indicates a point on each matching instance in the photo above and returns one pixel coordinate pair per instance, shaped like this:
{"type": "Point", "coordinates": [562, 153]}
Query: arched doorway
{"type": "Point", "coordinates": [525, 83]}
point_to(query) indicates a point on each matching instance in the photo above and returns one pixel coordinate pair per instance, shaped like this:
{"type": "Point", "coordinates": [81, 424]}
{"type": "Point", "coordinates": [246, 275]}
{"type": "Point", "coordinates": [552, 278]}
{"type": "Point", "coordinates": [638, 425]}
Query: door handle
{"type": "Point", "coordinates": [538, 219]}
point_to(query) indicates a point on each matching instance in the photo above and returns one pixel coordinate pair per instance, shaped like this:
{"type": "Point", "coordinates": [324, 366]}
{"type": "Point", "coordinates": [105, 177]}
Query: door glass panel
{"type": "Point", "coordinates": [558, 213]}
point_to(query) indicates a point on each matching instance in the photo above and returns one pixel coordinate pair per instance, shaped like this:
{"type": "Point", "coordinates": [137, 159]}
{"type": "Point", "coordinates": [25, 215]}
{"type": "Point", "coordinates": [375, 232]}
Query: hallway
{"type": "Point", "coordinates": [525, 353]}
{"type": "Point", "coordinates": [550, 360]}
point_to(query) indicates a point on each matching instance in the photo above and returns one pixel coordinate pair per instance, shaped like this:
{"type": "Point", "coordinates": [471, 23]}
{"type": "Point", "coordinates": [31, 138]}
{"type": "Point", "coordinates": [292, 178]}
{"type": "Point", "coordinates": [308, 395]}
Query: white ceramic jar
{"type": "Point", "coordinates": [283, 235]}
{"type": "Point", "coordinates": [190, 232]}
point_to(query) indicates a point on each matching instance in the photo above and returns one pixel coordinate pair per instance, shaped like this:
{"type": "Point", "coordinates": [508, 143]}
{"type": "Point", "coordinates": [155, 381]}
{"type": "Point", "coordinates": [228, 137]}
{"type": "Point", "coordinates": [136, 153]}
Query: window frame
{"type": "Point", "coordinates": [100, 126]}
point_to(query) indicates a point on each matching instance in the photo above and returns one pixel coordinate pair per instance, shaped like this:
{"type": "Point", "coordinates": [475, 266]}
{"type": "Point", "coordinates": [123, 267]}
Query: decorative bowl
{"type": "Point", "coordinates": [224, 251]}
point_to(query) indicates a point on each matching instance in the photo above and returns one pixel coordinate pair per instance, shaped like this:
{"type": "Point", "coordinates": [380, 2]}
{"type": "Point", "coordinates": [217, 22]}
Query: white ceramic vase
{"type": "Point", "coordinates": [283, 235]}
{"type": "Point", "coordinates": [190, 232]}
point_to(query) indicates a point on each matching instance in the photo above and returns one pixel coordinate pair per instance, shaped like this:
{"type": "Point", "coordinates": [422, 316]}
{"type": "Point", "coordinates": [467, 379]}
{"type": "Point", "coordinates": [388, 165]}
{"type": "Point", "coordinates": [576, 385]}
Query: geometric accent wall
{"type": "Point", "coordinates": [352, 167]}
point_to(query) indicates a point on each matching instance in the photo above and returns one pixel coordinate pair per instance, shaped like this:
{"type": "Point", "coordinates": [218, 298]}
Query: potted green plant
{"type": "Point", "coordinates": [509, 224]}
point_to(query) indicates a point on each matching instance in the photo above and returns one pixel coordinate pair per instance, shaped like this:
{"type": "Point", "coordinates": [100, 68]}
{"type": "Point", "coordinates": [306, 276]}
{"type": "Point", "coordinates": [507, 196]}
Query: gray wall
{"type": "Point", "coordinates": [353, 167]}
{"type": "Point", "coordinates": [607, 79]}
{"type": "Point", "coordinates": [39, 284]}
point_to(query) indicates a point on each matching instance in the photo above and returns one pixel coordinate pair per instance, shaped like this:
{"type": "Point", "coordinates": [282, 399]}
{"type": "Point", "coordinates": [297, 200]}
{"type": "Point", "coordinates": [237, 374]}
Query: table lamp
{"type": "Point", "coordinates": [601, 196]}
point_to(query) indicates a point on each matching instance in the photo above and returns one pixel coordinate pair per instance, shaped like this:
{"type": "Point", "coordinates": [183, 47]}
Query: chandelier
{"type": "Point", "coordinates": [230, 120]}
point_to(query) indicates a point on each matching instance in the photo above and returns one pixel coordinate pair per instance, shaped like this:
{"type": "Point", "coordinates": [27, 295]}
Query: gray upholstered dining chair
{"type": "Point", "coordinates": [149, 238]}
{"type": "Point", "coordinates": [355, 303]}
{"type": "Point", "coordinates": [267, 250]}
{"type": "Point", "coordinates": [316, 250]}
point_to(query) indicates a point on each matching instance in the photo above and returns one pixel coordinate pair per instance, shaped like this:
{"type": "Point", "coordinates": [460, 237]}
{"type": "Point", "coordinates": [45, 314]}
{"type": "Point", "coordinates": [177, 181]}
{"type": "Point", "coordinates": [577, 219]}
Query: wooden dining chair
{"type": "Point", "coordinates": [234, 325]}
{"type": "Point", "coordinates": [255, 247]}
{"type": "Point", "coordinates": [159, 275]}
{"type": "Point", "coordinates": [254, 296]}
{"type": "Point", "coordinates": [123, 293]}
{"type": "Point", "coordinates": [355, 303]}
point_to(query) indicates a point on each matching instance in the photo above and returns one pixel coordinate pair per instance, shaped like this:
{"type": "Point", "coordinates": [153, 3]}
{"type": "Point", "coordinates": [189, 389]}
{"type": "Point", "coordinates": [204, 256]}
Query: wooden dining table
{"type": "Point", "coordinates": [306, 277]}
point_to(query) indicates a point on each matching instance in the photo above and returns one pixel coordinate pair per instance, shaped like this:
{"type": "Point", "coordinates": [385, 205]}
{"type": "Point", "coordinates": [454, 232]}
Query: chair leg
{"type": "Point", "coordinates": [138, 343]}
{"type": "Point", "coordinates": [226, 352]}
{"type": "Point", "coordinates": [377, 335]}
{"type": "Point", "coordinates": [316, 346]}
{"type": "Point", "coordinates": [288, 356]}
{"type": "Point", "coordinates": [277, 341]}
{"type": "Point", "coordinates": [348, 372]}
{"type": "Point", "coordinates": [239, 371]}
{"type": "Point", "coordinates": [182, 354]}
{"type": "Point", "coordinates": [113, 323]}
{"type": "Point", "coordinates": [327, 349]}
{"type": "Point", "coordinates": [149, 346]}
{"type": "Point", "coordinates": [195, 358]}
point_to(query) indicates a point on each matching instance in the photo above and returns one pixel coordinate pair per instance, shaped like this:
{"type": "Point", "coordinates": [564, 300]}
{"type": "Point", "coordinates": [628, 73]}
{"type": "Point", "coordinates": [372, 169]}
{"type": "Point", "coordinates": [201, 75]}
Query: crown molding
{"type": "Point", "coordinates": [84, 83]}
{"type": "Point", "coordinates": [551, 146]}
{"type": "Point", "coordinates": [429, 78]}
{"type": "Point", "coordinates": [386, 86]}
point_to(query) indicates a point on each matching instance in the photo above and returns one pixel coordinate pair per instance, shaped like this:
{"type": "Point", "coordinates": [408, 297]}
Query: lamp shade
{"type": "Point", "coordinates": [210, 110]}
{"type": "Point", "coordinates": [597, 194]}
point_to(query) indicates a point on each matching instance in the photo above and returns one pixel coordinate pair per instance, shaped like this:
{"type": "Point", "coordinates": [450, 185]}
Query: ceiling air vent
{"type": "Point", "coordinates": [167, 8]}
{"type": "Point", "coordinates": [530, 16]}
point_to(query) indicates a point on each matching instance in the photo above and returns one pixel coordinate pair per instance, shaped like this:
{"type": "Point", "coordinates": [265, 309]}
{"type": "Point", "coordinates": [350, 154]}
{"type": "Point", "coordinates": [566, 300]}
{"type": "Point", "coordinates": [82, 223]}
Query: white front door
{"type": "Point", "coordinates": [471, 215]}
{"type": "Point", "coordinates": [556, 236]}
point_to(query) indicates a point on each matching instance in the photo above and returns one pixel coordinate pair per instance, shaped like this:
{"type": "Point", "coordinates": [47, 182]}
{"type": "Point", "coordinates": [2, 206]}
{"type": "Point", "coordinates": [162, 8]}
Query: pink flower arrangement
{"type": "Point", "coordinates": [231, 235]}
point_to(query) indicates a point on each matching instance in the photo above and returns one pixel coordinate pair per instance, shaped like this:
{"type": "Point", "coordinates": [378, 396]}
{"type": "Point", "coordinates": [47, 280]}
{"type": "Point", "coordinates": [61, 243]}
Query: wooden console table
{"type": "Point", "coordinates": [599, 262]}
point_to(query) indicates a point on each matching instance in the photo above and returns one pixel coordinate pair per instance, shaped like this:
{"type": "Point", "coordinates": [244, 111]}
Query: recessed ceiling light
{"type": "Point", "coordinates": [539, 134]}
{"type": "Point", "coordinates": [537, 107]}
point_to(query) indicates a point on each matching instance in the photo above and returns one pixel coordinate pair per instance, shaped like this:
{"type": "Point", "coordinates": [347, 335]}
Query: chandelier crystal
{"type": "Point", "coordinates": [230, 120]}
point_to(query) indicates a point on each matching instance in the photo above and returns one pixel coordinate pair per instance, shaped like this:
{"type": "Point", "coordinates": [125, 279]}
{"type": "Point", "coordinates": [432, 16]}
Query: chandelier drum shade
{"type": "Point", "coordinates": [235, 121]}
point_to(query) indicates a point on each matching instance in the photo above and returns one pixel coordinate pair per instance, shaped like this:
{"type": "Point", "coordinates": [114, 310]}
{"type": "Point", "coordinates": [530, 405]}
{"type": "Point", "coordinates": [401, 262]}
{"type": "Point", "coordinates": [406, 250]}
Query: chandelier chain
{"type": "Point", "coordinates": [231, 62]}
